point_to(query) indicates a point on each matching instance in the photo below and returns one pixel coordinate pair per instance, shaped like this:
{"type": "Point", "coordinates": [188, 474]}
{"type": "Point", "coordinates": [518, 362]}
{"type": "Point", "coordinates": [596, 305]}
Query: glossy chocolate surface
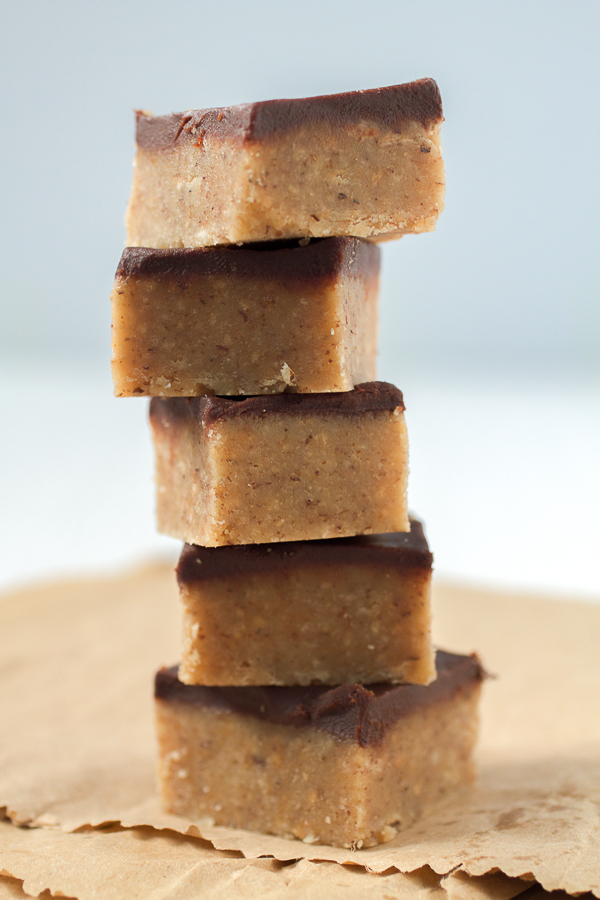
{"type": "Point", "coordinates": [322, 260]}
{"type": "Point", "coordinates": [350, 712]}
{"type": "Point", "coordinates": [404, 550]}
{"type": "Point", "coordinates": [389, 107]}
{"type": "Point", "coordinates": [372, 396]}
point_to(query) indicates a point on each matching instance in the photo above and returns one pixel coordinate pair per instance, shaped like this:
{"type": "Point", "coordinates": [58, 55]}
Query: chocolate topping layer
{"type": "Point", "coordinates": [368, 397]}
{"type": "Point", "coordinates": [391, 107]}
{"type": "Point", "coordinates": [285, 261]}
{"type": "Point", "coordinates": [402, 549]}
{"type": "Point", "coordinates": [350, 712]}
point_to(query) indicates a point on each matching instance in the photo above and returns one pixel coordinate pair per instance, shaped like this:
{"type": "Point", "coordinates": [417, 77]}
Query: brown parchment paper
{"type": "Point", "coordinates": [77, 739]}
{"type": "Point", "coordinates": [112, 864]}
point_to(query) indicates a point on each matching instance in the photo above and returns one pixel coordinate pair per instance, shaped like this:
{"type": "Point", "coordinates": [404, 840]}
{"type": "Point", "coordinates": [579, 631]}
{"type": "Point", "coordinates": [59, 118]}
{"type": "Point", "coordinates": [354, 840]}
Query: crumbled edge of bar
{"type": "Point", "coordinates": [350, 712]}
{"type": "Point", "coordinates": [322, 260]}
{"type": "Point", "coordinates": [391, 107]}
{"type": "Point", "coordinates": [404, 550]}
{"type": "Point", "coordinates": [372, 396]}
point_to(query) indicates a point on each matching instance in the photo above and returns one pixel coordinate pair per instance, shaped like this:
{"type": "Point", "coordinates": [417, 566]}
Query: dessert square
{"type": "Point", "coordinates": [245, 320]}
{"type": "Point", "coordinates": [281, 467]}
{"type": "Point", "coordinates": [334, 611]}
{"type": "Point", "coordinates": [365, 163]}
{"type": "Point", "coordinates": [348, 766]}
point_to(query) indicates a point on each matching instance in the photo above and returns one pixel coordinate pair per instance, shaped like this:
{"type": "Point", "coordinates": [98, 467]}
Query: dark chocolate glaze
{"type": "Point", "coordinates": [405, 550]}
{"type": "Point", "coordinates": [389, 107]}
{"type": "Point", "coordinates": [350, 712]}
{"type": "Point", "coordinates": [284, 261]}
{"type": "Point", "coordinates": [368, 397]}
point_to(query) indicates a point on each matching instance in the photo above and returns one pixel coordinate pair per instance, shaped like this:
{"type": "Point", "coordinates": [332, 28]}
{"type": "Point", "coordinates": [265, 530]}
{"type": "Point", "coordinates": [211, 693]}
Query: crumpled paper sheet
{"type": "Point", "coordinates": [78, 747]}
{"type": "Point", "coordinates": [114, 864]}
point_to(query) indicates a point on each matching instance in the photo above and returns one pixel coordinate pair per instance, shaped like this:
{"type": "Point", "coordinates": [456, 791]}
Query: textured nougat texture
{"type": "Point", "coordinates": [348, 766]}
{"type": "Point", "coordinates": [365, 163]}
{"type": "Point", "coordinates": [245, 320]}
{"type": "Point", "coordinates": [335, 611]}
{"type": "Point", "coordinates": [281, 467]}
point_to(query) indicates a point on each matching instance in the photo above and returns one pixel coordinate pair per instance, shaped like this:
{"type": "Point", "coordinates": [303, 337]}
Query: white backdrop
{"type": "Point", "coordinates": [491, 325]}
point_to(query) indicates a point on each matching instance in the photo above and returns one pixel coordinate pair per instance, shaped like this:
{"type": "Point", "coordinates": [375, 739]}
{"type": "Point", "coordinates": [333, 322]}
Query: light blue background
{"type": "Point", "coordinates": [491, 325]}
{"type": "Point", "coordinates": [512, 271]}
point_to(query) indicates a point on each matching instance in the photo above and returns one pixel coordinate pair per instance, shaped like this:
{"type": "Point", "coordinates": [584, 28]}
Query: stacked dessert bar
{"type": "Point", "coordinates": [309, 701]}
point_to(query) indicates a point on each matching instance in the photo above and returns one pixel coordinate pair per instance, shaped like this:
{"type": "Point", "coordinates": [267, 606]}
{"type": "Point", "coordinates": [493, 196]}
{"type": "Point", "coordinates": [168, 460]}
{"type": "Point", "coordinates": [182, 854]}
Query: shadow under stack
{"type": "Point", "coordinates": [309, 701]}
